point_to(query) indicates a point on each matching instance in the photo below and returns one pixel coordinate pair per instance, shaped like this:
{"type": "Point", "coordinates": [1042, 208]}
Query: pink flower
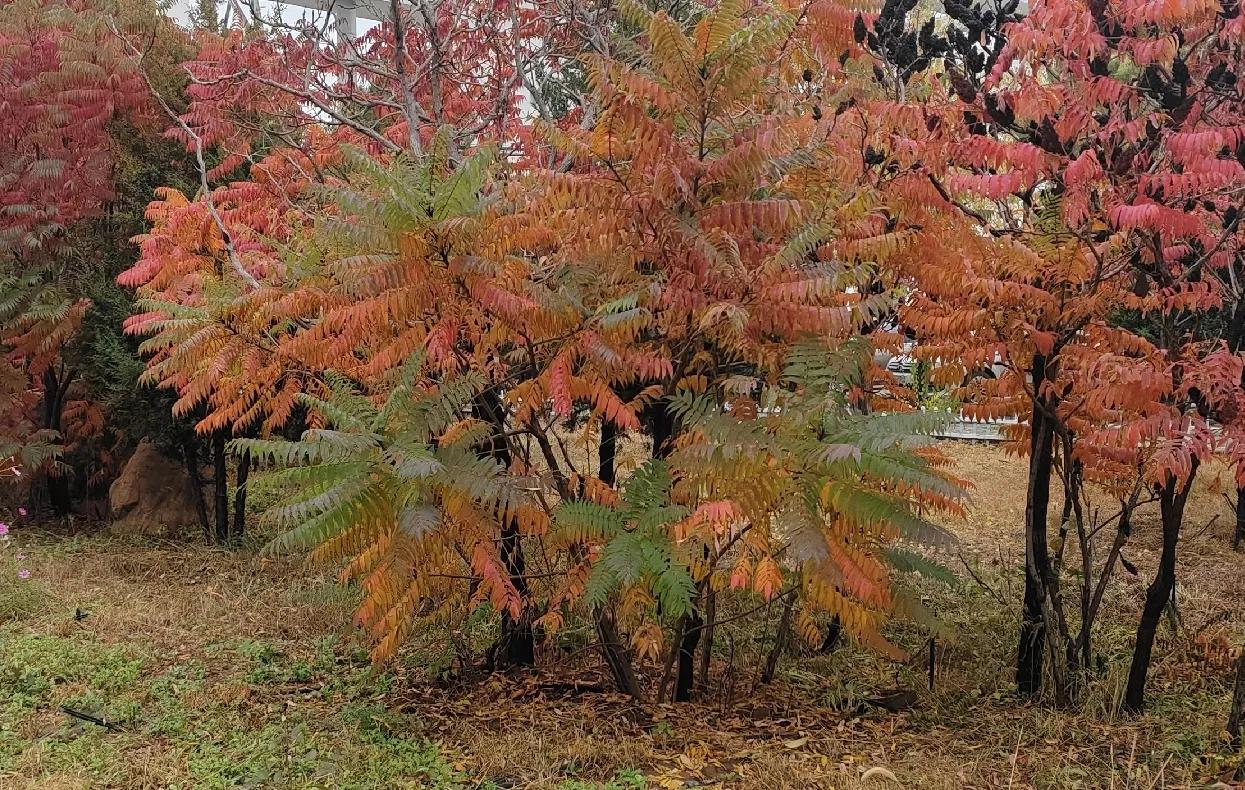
{"type": "Point", "coordinates": [23, 574]}
{"type": "Point", "coordinates": [21, 511]}
{"type": "Point", "coordinates": [4, 528]}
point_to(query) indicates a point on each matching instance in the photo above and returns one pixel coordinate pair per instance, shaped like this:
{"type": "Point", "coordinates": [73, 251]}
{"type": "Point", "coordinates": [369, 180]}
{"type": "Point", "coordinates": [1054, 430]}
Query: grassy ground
{"type": "Point", "coordinates": [223, 670]}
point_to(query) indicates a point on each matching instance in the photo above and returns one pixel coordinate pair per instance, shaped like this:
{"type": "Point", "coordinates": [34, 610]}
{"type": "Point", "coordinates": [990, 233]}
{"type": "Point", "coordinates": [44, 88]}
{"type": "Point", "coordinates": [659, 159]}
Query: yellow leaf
{"type": "Point", "coordinates": [768, 578]}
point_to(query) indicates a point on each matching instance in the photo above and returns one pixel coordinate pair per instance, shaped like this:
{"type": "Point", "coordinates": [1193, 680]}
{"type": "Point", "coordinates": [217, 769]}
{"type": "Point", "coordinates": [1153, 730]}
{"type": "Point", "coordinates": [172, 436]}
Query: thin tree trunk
{"type": "Point", "coordinates": [190, 455]}
{"type": "Point", "coordinates": [59, 496]}
{"type": "Point", "coordinates": [706, 644]}
{"type": "Point", "coordinates": [239, 497]}
{"type": "Point", "coordinates": [661, 425]}
{"type": "Point", "coordinates": [617, 657]}
{"type": "Point", "coordinates": [1123, 531]}
{"type": "Point", "coordinates": [1065, 521]}
{"type": "Point", "coordinates": [1077, 650]}
{"type": "Point", "coordinates": [1172, 500]}
{"type": "Point", "coordinates": [1236, 716]}
{"type": "Point", "coordinates": [781, 637]}
{"type": "Point", "coordinates": [517, 644]}
{"type": "Point", "coordinates": [607, 454]}
{"type": "Point", "coordinates": [695, 636]}
{"type": "Point", "coordinates": [1085, 644]}
{"type": "Point", "coordinates": [1037, 556]}
{"type": "Point", "coordinates": [670, 656]}
{"type": "Point", "coordinates": [1238, 537]}
{"type": "Point", "coordinates": [54, 391]}
{"type": "Point", "coordinates": [220, 473]}
{"type": "Point", "coordinates": [684, 676]}
{"type": "Point", "coordinates": [834, 634]}
{"type": "Point", "coordinates": [518, 641]}
{"type": "Point", "coordinates": [1235, 337]}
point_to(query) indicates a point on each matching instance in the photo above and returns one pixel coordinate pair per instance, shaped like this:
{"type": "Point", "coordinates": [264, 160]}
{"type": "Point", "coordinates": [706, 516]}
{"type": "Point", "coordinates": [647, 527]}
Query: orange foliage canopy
{"type": "Point", "coordinates": [663, 279]}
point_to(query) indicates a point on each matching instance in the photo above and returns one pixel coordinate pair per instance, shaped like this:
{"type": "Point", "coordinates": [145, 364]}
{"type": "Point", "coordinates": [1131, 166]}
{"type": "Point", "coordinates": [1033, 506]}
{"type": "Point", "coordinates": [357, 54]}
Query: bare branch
{"type": "Point", "coordinates": [410, 108]}
{"type": "Point", "coordinates": [235, 261]}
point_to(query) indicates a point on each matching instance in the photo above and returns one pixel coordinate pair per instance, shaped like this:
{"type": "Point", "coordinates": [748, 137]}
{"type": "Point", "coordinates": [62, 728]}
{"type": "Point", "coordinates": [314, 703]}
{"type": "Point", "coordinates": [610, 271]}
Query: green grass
{"type": "Point", "coordinates": [212, 731]}
{"type": "Point", "coordinates": [20, 599]}
{"type": "Point", "coordinates": [623, 780]}
{"type": "Point", "coordinates": [243, 714]}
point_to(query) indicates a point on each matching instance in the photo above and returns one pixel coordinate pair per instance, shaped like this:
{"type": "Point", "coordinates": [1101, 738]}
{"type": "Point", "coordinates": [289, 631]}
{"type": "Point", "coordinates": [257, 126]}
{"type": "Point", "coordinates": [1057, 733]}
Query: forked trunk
{"type": "Point", "coordinates": [1085, 637]}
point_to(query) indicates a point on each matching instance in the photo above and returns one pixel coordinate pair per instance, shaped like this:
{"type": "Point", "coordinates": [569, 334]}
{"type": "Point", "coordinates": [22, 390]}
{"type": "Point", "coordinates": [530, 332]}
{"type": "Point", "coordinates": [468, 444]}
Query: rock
{"type": "Point", "coordinates": [152, 496]}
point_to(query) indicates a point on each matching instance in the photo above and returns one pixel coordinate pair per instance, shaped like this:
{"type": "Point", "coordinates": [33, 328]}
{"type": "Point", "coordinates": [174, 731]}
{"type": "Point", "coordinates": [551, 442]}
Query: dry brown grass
{"type": "Point", "coordinates": [1211, 587]}
{"type": "Point", "coordinates": [179, 595]}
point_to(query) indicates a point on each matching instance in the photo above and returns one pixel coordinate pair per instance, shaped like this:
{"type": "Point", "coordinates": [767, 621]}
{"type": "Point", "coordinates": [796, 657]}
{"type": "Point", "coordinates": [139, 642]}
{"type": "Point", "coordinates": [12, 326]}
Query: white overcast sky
{"type": "Point", "coordinates": [180, 11]}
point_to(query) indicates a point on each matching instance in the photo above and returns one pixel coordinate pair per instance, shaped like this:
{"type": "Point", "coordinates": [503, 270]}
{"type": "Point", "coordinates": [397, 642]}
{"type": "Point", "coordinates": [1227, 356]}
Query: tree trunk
{"type": "Point", "coordinates": [661, 425]}
{"type": "Point", "coordinates": [834, 634]}
{"type": "Point", "coordinates": [1123, 531]}
{"type": "Point", "coordinates": [220, 474]}
{"type": "Point", "coordinates": [1079, 650]}
{"type": "Point", "coordinates": [670, 656]}
{"type": "Point", "coordinates": [781, 637]}
{"type": "Point", "coordinates": [517, 644]}
{"type": "Point", "coordinates": [1235, 337]}
{"type": "Point", "coordinates": [696, 628]}
{"type": "Point", "coordinates": [59, 497]}
{"type": "Point", "coordinates": [54, 390]}
{"type": "Point", "coordinates": [617, 657]}
{"type": "Point", "coordinates": [685, 674]}
{"type": "Point", "coordinates": [518, 641]}
{"type": "Point", "coordinates": [1236, 717]}
{"type": "Point", "coordinates": [706, 644]}
{"type": "Point", "coordinates": [239, 498]}
{"type": "Point", "coordinates": [1172, 498]}
{"type": "Point", "coordinates": [607, 454]}
{"type": "Point", "coordinates": [1037, 556]}
{"type": "Point", "coordinates": [1238, 537]}
{"type": "Point", "coordinates": [190, 455]}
